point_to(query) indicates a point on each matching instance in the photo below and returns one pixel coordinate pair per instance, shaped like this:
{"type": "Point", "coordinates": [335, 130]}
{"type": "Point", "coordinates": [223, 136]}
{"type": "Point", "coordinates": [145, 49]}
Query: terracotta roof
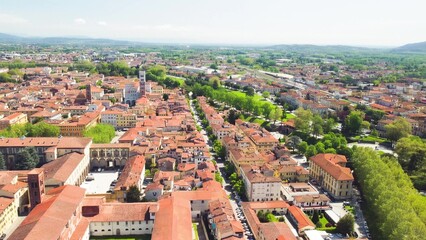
{"type": "Point", "coordinates": [4, 203]}
{"type": "Point", "coordinates": [302, 220]}
{"type": "Point", "coordinates": [131, 173]}
{"type": "Point", "coordinates": [276, 230]}
{"type": "Point", "coordinates": [115, 212]}
{"type": "Point", "coordinates": [330, 164]}
{"type": "Point", "coordinates": [173, 221]}
{"type": "Point", "coordinates": [62, 142]}
{"type": "Point", "coordinates": [49, 218]}
{"type": "Point", "coordinates": [62, 168]}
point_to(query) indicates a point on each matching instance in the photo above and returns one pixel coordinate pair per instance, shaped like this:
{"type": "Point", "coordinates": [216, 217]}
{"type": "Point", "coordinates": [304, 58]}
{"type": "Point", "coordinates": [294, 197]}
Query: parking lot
{"type": "Point", "coordinates": [101, 182]}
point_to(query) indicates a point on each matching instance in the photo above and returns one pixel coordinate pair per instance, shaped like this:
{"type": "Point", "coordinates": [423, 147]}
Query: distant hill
{"type": "Point", "coordinates": [412, 48]}
{"type": "Point", "coordinates": [321, 48]}
{"type": "Point", "coordinates": [11, 39]}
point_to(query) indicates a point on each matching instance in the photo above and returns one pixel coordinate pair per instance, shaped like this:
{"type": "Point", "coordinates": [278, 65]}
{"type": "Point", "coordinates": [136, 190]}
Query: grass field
{"type": "Point", "coordinates": [369, 139]}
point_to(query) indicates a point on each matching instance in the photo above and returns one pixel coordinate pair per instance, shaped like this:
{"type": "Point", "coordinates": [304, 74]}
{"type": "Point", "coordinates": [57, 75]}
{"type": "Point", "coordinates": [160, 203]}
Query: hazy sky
{"type": "Point", "coordinates": [349, 22]}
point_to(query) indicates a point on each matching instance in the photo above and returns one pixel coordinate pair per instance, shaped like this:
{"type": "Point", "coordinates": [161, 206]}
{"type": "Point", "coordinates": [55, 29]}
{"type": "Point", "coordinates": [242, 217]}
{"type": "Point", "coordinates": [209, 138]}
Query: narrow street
{"type": "Point", "coordinates": [221, 169]}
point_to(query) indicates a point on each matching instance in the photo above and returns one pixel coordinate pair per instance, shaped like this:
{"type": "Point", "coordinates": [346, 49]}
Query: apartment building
{"type": "Point", "coordinates": [8, 213]}
{"type": "Point", "coordinates": [133, 174]}
{"type": "Point", "coordinates": [260, 185]}
{"type": "Point", "coordinates": [75, 126]}
{"type": "Point", "coordinates": [48, 148]}
{"type": "Point", "coordinates": [247, 156]}
{"type": "Point", "coordinates": [14, 118]}
{"type": "Point", "coordinates": [330, 171]}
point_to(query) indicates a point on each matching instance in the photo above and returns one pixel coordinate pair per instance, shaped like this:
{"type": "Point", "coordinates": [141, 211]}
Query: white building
{"type": "Point", "coordinates": [131, 93]}
{"type": "Point", "coordinates": [260, 184]}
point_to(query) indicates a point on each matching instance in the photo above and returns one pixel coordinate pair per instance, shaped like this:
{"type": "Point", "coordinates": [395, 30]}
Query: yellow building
{"type": "Point", "coordinates": [15, 118]}
{"type": "Point", "coordinates": [8, 213]}
{"type": "Point", "coordinates": [126, 120]}
{"type": "Point", "coordinates": [76, 126]}
{"type": "Point", "coordinates": [332, 174]}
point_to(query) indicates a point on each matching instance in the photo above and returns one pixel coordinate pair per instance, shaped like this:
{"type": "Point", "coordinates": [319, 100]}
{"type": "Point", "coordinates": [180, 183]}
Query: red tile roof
{"type": "Point", "coordinates": [49, 218]}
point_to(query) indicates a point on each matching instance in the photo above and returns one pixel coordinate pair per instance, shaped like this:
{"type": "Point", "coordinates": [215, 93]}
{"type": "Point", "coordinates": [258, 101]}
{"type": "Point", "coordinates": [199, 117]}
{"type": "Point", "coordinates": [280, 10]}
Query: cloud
{"type": "Point", "coordinates": [11, 19]}
{"type": "Point", "coordinates": [102, 23]}
{"type": "Point", "coordinates": [79, 21]}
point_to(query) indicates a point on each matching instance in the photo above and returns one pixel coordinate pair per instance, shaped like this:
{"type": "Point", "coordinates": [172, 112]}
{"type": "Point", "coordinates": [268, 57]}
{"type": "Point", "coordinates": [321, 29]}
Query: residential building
{"type": "Point", "coordinates": [133, 174]}
{"type": "Point", "coordinates": [14, 118]}
{"type": "Point", "coordinates": [260, 185]}
{"type": "Point", "coordinates": [8, 213]}
{"type": "Point", "coordinates": [48, 148]}
{"type": "Point", "coordinates": [330, 171]}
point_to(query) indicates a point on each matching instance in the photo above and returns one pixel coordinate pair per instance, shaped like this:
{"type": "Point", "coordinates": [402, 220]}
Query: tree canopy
{"type": "Point", "coordinates": [133, 194]}
{"type": "Point", "coordinates": [27, 159]}
{"type": "Point", "coordinates": [101, 133]}
{"type": "Point", "coordinates": [399, 128]}
{"type": "Point", "coordinates": [395, 209]}
{"type": "Point", "coordinates": [41, 129]}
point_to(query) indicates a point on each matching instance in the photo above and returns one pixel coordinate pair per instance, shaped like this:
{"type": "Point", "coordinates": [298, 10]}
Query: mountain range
{"type": "Point", "coordinates": [13, 39]}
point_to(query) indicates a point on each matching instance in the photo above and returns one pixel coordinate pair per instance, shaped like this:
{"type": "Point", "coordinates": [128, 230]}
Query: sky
{"type": "Point", "coordinates": [265, 22]}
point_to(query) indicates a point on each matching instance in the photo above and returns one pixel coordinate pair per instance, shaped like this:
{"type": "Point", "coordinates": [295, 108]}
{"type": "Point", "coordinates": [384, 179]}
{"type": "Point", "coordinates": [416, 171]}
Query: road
{"type": "Point", "coordinates": [118, 135]}
{"type": "Point", "coordinates": [238, 213]}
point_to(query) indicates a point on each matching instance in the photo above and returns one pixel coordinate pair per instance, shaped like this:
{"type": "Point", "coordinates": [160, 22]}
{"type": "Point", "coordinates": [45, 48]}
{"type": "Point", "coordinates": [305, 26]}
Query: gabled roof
{"type": "Point", "coordinates": [49, 218]}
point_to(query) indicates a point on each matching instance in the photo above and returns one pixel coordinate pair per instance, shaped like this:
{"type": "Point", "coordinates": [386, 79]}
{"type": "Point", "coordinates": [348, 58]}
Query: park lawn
{"type": "Point", "coordinates": [369, 139]}
{"type": "Point", "coordinates": [324, 221]}
{"type": "Point", "coordinates": [194, 226]}
{"type": "Point", "coordinates": [253, 119]}
{"type": "Point", "coordinates": [350, 209]}
{"type": "Point", "coordinates": [139, 237]}
{"type": "Point", "coordinates": [256, 97]}
{"type": "Point", "coordinates": [288, 116]}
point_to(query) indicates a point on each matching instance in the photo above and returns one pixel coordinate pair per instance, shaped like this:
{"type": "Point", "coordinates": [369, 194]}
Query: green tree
{"type": "Point", "coordinates": [310, 151]}
{"type": "Point", "coordinates": [2, 162]}
{"type": "Point", "coordinates": [315, 217]}
{"type": "Point", "coordinates": [43, 129]}
{"type": "Point", "coordinates": [215, 82]}
{"type": "Point", "coordinates": [218, 177]}
{"type": "Point", "coordinates": [165, 96]}
{"type": "Point", "coordinates": [275, 114]}
{"type": "Point", "coordinates": [133, 194]}
{"type": "Point", "coordinates": [398, 129]}
{"type": "Point", "coordinates": [329, 125]}
{"type": "Point", "coordinates": [411, 153]}
{"type": "Point", "coordinates": [249, 91]}
{"type": "Point", "coordinates": [346, 224]}
{"type": "Point", "coordinates": [26, 159]}
{"type": "Point", "coordinates": [353, 122]}
{"type": "Point", "coordinates": [302, 147]}
{"type": "Point", "coordinates": [303, 120]}
{"type": "Point", "coordinates": [101, 133]}
{"type": "Point", "coordinates": [317, 125]}
{"type": "Point", "coordinates": [266, 94]}
{"type": "Point", "coordinates": [294, 142]}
